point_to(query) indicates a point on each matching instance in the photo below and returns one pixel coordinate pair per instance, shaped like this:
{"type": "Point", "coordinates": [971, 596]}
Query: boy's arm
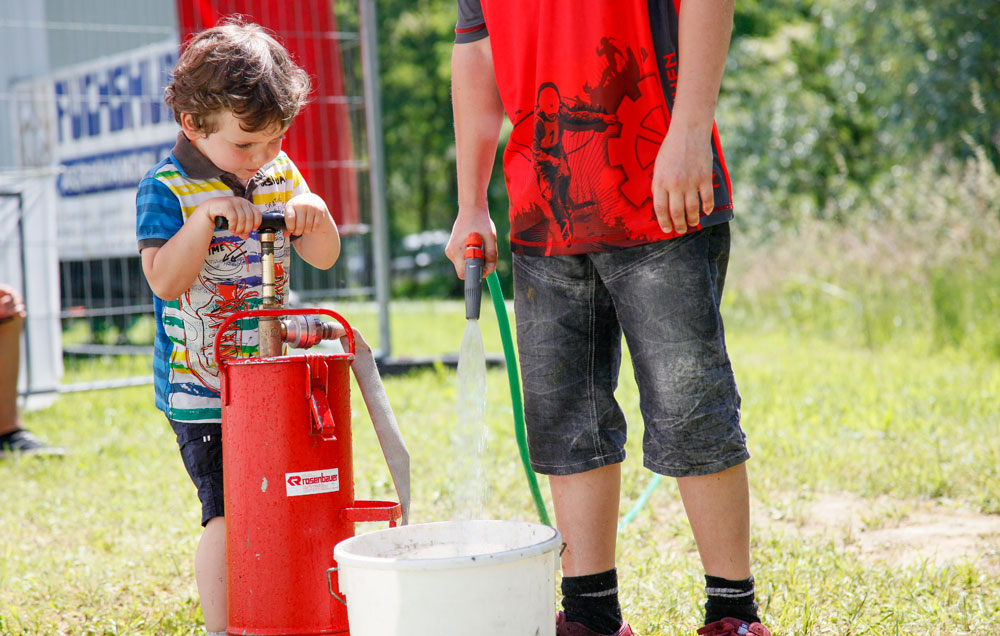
{"type": "Point", "coordinates": [478, 117]}
{"type": "Point", "coordinates": [307, 217]}
{"type": "Point", "coordinates": [171, 268]}
{"type": "Point", "coordinates": [683, 169]}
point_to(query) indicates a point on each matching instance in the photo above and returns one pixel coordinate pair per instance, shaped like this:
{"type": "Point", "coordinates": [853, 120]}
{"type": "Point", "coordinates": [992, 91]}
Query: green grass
{"type": "Point", "coordinates": [102, 541]}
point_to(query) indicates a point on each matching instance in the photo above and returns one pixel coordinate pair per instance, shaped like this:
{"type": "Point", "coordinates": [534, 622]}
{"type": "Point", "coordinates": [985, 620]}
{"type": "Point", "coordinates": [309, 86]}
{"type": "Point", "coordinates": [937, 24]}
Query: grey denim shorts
{"type": "Point", "coordinates": [571, 314]}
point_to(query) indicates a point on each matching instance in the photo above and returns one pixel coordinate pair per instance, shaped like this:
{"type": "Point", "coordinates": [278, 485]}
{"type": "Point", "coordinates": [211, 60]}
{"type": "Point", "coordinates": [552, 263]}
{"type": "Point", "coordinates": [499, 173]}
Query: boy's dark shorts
{"type": "Point", "coordinates": [201, 450]}
{"type": "Point", "coordinates": [571, 313]}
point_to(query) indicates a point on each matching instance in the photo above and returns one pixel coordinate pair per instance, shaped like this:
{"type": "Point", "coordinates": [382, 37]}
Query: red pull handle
{"type": "Point", "coordinates": [373, 511]}
{"type": "Point", "coordinates": [321, 415]}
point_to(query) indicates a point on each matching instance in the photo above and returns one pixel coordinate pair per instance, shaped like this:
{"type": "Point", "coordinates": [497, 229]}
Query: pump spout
{"type": "Point", "coordinates": [474, 262]}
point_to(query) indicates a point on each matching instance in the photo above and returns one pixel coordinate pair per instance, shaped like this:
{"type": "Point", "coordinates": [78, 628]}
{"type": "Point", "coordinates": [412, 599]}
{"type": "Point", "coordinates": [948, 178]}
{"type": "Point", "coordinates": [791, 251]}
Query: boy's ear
{"type": "Point", "coordinates": [190, 130]}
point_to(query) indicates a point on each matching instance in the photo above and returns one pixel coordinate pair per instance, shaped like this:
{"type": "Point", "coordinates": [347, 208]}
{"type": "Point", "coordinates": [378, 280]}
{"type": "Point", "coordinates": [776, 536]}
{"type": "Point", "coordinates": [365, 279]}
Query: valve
{"type": "Point", "coordinates": [303, 332]}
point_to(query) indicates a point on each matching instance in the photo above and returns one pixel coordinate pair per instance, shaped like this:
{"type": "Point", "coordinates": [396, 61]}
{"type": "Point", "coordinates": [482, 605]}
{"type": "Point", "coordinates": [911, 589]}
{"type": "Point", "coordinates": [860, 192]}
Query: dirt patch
{"type": "Point", "coordinates": [887, 530]}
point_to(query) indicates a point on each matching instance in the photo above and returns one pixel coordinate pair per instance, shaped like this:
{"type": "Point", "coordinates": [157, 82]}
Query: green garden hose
{"type": "Point", "coordinates": [641, 502]}
{"type": "Point", "coordinates": [515, 394]}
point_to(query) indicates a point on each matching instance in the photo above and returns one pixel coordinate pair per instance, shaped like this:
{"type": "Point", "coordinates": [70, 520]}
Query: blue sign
{"type": "Point", "coordinates": [109, 171]}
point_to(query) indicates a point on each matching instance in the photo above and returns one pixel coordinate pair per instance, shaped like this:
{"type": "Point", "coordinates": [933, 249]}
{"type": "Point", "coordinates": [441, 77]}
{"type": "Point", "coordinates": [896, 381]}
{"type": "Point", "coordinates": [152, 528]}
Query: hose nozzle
{"type": "Point", "coordinates": [474, 262]}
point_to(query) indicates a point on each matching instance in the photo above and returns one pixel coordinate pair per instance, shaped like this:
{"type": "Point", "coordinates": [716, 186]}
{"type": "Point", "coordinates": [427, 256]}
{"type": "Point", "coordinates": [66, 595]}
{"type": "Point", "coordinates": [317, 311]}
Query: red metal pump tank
{"type": "Point", "coordinates": [289, 486]}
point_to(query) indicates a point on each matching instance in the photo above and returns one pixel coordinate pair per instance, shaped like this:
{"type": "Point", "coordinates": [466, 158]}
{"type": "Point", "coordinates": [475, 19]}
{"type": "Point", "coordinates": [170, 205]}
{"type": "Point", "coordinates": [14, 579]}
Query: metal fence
{"type": "Point", "coordinates": [67, 220]}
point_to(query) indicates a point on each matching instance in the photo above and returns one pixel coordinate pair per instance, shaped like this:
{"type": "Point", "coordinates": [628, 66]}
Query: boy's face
{"type": "Point", "coordinates": [233, 149]}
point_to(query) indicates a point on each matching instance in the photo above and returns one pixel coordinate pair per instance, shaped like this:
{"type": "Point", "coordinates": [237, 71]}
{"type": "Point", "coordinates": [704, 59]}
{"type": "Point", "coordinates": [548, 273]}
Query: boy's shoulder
{"type": "Point", "coordinates": [165, 168]}
{"type": "Point", "coordinates": [281, 161]}
{"type": "Point", "coordinates": [281, 170]}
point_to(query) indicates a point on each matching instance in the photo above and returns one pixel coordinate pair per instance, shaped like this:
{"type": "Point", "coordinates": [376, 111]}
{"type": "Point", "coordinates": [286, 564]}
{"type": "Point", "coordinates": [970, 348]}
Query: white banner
{"type": "Point", "coordinates": [102, 125]}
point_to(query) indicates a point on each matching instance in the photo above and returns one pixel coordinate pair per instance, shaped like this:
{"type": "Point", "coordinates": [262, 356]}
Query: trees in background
{"type": "Point", "coordinates": [824, 97]}
{"type": "Point", "coordinates": [821, 98]}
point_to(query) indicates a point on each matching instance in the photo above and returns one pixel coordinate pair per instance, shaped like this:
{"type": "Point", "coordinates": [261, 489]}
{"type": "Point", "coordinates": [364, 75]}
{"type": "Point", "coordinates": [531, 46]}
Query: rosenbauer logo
{"type": "Point", "coordinates": [312, 482]}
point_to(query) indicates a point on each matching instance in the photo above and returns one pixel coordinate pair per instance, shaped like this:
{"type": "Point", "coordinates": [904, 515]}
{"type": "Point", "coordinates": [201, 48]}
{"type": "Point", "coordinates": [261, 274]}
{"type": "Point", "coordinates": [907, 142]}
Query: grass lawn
{"type": "Point", "coordinates": [875, 477]}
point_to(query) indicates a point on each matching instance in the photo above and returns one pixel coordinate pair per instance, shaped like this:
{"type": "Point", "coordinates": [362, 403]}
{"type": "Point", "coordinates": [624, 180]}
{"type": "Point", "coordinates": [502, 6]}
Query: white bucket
{"type": "Point", "coordinates": [489, 578]}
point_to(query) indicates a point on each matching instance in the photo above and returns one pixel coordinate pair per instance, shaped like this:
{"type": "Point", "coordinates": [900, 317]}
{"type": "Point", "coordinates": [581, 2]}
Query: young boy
{"type": "Point", "coordinates": [234, 92]}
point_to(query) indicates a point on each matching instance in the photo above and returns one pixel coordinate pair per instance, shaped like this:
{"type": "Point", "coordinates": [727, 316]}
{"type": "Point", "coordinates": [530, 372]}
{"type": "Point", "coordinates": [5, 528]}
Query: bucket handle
{"type": "Point", "coordinates": [365, 511]}
{"type": "Point", "coordinates": [329, 584]}
{"type": "Point", "coordinates": [349, 332]}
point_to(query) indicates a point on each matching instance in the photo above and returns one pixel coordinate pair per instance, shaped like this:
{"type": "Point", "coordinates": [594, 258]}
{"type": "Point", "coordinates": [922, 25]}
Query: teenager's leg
{"type": "Point", "coordinates": [570, 352]}
{"type": "Point", "coordinates": [586, 507]}
{"type": "Point", "coordinates": [669, 310]}
{"type": "Point", "coordinates": [718, 508]}
{"type": "Point", "coordinates": [210, 574]}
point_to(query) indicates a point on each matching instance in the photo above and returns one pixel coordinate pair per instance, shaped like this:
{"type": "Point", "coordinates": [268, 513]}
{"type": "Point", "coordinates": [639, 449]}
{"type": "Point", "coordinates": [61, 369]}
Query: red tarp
{"type": "Point", "coordinates": [319, 142]}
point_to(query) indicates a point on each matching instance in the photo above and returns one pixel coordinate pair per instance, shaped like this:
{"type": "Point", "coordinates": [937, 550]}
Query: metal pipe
{"type": "Point", "coordinates": [268, 327]}
{"type": "Point", "coordinates": [376, 168]}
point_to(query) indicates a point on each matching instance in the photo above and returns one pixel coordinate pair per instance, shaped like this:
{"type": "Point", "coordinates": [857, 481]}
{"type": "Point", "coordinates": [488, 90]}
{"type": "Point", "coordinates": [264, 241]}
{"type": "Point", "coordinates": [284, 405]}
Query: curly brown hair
{"type": "Point", "coordinates": [237, 66]}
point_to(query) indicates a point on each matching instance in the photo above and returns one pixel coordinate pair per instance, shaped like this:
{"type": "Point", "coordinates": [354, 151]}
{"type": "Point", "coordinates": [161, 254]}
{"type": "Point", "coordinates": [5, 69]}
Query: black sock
{"type": "Point", "coordinates": [593, 601]}
{"type": "Point", "coordinates": [734, 599]}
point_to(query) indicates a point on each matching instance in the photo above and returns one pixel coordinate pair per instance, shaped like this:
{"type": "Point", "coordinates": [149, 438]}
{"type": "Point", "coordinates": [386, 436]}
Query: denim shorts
{"type": "Point", "coordinates": [201, 450]}
{"type": "Point", "coordinates": [664, 297]}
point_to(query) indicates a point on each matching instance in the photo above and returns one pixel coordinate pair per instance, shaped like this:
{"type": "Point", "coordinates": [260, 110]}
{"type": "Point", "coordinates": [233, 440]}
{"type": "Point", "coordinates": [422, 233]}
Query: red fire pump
{"type": "Point", "coordinates": [289, 472]}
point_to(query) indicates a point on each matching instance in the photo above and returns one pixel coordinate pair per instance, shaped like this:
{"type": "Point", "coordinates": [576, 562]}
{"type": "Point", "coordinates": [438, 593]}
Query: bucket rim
{"type": "Point", "coordinates": [344, 557]}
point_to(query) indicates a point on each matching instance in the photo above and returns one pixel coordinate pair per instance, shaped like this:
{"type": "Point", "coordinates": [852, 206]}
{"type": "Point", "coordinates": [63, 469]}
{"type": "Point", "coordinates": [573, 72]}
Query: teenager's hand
{"type": "Point", "coordinates": [243, 216]}
{"type": "Point", "coordinates": [682, 179]}
{"type": "Point", "coordinates": [467, 222]}
{"type": "Point", "coordinates": [307, 213]}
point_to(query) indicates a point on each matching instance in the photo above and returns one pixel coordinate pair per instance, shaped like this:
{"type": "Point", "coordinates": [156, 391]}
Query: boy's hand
{"type": "Point", "coordinates": [307, 213]}
{"type": "Point", "coordinates": [243, 216]}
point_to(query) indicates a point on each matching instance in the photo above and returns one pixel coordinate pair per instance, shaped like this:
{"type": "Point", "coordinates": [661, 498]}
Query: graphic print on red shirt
{"type": "Point", "coordinates": [589, 95]}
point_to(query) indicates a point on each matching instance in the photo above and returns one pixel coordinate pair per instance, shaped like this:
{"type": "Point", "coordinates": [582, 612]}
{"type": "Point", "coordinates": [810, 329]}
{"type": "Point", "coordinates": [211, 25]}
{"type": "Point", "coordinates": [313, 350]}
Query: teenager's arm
{"type": "Point", "coordinates": [478, 117]}
{"type": "Point", "coordinates": [683, 169]}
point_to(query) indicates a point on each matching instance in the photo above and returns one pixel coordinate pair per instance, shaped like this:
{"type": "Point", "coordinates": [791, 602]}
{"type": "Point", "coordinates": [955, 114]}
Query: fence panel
{"type": "Point", "coordinates": [82, 118]}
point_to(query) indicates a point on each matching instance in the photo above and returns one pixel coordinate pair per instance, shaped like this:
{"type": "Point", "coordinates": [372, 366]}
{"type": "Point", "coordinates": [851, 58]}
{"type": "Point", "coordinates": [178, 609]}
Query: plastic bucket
{"type": "Point", "coordinates": [489, 578]}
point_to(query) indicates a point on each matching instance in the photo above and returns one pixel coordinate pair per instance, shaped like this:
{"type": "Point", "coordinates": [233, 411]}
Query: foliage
{"type": "Point", "coordinates": [841, 94]}
{"type": "Point", "coordinates": [918, 262]}
{"type": "Point", "coordinates": [822, 101]}
{"type": "Point", "coordinates": [415, 40]}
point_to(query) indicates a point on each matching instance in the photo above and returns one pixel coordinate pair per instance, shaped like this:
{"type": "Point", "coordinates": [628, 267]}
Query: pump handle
{"type": "Point", "coordinates": [269, 221]}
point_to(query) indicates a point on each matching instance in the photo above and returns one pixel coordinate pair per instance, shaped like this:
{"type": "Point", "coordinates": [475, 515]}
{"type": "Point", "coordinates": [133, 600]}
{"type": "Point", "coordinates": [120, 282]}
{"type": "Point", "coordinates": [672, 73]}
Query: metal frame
{"type": "Point", "coordinates": [368, 40]}
{"type": "Point", "coordinates": [376, 170]}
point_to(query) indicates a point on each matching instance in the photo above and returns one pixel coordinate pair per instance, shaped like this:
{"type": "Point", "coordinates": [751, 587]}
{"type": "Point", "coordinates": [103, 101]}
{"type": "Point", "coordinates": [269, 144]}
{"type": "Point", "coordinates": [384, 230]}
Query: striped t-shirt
{"type": "Point", "coordinates": [184, 371]}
